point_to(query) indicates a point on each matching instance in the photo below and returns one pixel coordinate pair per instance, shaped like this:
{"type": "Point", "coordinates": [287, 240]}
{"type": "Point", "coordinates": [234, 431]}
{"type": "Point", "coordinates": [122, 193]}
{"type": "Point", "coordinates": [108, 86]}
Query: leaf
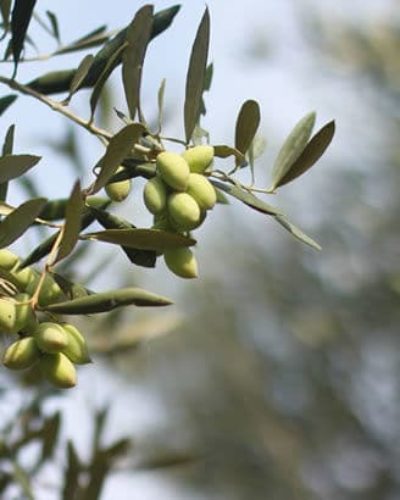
{"type": "Point", "coordinates": [206, 87]}
{"type": "Point", "coordinates": [6, 101]}
{"type": "Point", "coordinates": [50, 432]}
{"type": "Point", "coordinates": [20, 18]}
{"type": "Point", "coordinates": [160, 102]}
{"type": "Point", "coordinates": [138, 37]}
{"type": "Point", "coordinates": [80, 74]}
{"type": "Point", "coordinates": [45, 247]}
{"type": "Point", "coordinates": [72, 473]}
{"type": "Point", "coordinates": [92, 39]}
{"type": "Point", "coordinates": [224, 151]}
{"type": "Point", "coordinates": [98, 87]}
{"type": "Point", "coordinates": [13, 166]}
{"type": "Point", "coordinates": [118, 148]}
{"type": "Point", "coordinates": [196, 76]}
{"type": "Point", "coordinates": [15, 224]}
{"type": "Point", "coordinates": [247, 198]}
{"type": "Point", "coordinates": [71, 290]}
{"type": "Point", "coordinates": [311, 153]}
{"type": "Point", "coordinates": [9, 141]}
{"type": "Point", "coordinates": [296, 232]}
{"type": "Point", "coordinates": [144, 258]}
{"type": "Point", "coordinates": [107, 301]}
{"type": "Point", "coordinates": [247, 124]}
{"type": "Point", "coordinates": [22, 478]}
{"type": "Point", "coordinates": [292, 148]}
{"type": "Point", "coordinates": [143, 239]}
{"type": "Point", "coordinates": [5, 8]}
{"type": "Point", "coordinates": [72, 225]}
{"type": "Point", "coordinates": [54, 24]}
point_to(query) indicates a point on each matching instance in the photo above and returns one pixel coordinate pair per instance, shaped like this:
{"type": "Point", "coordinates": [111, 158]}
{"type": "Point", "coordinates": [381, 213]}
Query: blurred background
{"type": "Point", "coordinates": [276, 374]}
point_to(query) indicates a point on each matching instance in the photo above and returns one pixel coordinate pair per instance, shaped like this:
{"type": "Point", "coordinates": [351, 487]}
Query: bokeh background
{"type": "Point", "coordinates": [276, 374]}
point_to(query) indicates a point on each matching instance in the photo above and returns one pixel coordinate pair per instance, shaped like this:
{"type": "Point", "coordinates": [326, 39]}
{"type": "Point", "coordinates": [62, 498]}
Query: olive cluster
{"type": "Point", "coordinates": [54, 346]}
{"type": "Point", "coordinates": [179, 197]}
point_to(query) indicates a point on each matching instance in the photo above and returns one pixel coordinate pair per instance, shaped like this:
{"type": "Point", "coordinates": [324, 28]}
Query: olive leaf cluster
{"type": "Point", "coordinates": [180, 190]}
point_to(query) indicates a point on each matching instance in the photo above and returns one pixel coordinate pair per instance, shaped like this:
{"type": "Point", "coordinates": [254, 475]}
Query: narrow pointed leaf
{"type": "Point", "coordinates": [13, 166]}
{"type": "Point", "coordinates": [144, 258]}
{"type": "Point", "coordinates": [247, 198]}
{"type": "Point", "coordinates": [5, 8]}
{"type": "Point", "coordinates": [73, 213]}
{"type": "Point", "coordinates": [142, 239]}
{"type": "Point", "coordinates": [297, 233]}
{"type": "Point", "coordinates": [292, 148]}
{"type": "Point", "coordinates": [20, 18]}
{"type": "Point", "coordinates": [92, 39]}
{"type": "Point", "coordinates": [311, 153]}
{"type": "Point", "coordinates": [8, 146]}
{"type": "Point", "coordinates": [54, 24]}
{"type": "Point", "coordinates": [160, 102]}
{"type": "Point", "coordinates": [80, 74]}
{"type": "Point", "coordinates": [71, 289]}
{"type": "Point", "coordinates": [6, 101]}
{"type": "Point", "coordinates": [118, 148]}
{"type": "Point", "coordinates": [51, 432]}
{"type": "Point", "coordinates": [15, 224]}
{"type": "Point", "coordinates": [247, 124]}
{"type": "Point", "coordinates": [196, 76]}
{"type": "Point", "coordinates": [107, 301]}
{"type": "Point", "coordinates": [112, 63]}
{"type": "Point", "coordinates": [45, 247]}
{"type": "Point", "coordinates": [138, 37]}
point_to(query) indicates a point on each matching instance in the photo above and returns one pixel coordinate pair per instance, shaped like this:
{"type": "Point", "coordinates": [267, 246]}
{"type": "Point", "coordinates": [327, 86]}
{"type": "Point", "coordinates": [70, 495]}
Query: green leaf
{"type": "Point", "coordinates": [15, 224]}
{"type": "Point", "coordinates": [71, 290]}
{"type": "Point", "coordinates": [224, 151]}
{"type": "Point", "coordinates": [13, 166]}
{"type": "Point", "coordinates": [296, 232]}
{"type": "Point", "coordinates": [311, 153]}
{"type": "Point", "coordinates": [142, 239]}
{"type": "Point", "coordinates": [292, 148]}
{"type": "Point", "coordinates": [80, 74]}
{"type": "Point", "coordinates": [246, 197]}
{"type": "Point", "coordinates": [107, 301]}
{"type": "Point", "coordinates": [196, 76]}
{"type": "Point", "coordinates": [118, 148]}
{"type": "Point", "coordinates": [247, 124]}
{"type": "Point", "coordinates": [112, 63]}
{"type": "Point", "coordinates": [5, 8]}
{"type": "Point", "coordinates": [51, 432]}
{"type": "Point", "coordinates": [54, 24]}
{"type": "Point", "coordinates": [8, 144]}
{"type": "Point", "coordinates": [6, 101]}
{"type": "Point", "coordinates": [138, 37]}
{"type": "Point", "coordinates": [72, 226]}
{"type": "Point", "coordinates": [20, 18]}
{"type": "Point", "coordinates": [144, 258]}
{"type": "Point", "coordinates": [45, 247]}
{"type": "Point", "coordinates": [22, 478]}
{"type": "Point", "coordinates": [92, 39]}
{"type": "Point", "coordinates": [72, 473]}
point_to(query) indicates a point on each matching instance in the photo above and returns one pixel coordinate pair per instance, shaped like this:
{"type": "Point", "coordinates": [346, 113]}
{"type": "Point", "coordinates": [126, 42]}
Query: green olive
{"type": "Point", "coordinates": [76, 349]}
{"type": "Point", "coordinates": [21, 354]}
{"type": "Point", "coordinates": [181, 262]}
{"type": "Point", "coordinates": [184, 211]}
{"type": "Point", "coordinates": [199, 158]}
{"type": "Point", "coordinates": [155, 195]}
{"type": "Point", "coordinates": [173, 169]}
{"type": "Point", "coordinates": [58, 370]}
{"type": "Point", "coordinates": [51, 337]}
{"type": "Point", "coordinates": [201, 189]}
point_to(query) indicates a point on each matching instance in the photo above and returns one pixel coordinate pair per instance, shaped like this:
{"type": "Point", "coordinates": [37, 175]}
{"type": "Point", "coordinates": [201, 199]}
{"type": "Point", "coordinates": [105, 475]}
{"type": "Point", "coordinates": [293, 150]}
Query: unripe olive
{"type": "Point", "coordinates": [199, 158]}
{"type": "Point", "coordinates": [58, 370]}
{"type": "Point", "coordinates": [25, 277]}
{"type": "Point", "coordinates": [76, 349]}
{"type": "Point", "coordinates": [155, 195]}
{"type": "Point", "coordinates": [173, 169]}
{"type": "Point", "coordinates": [50, 291]}
{"type": "Point", "coordinates": [21, 354]}
{"type": "Point", "coordinates": [201, 189]}
{"type": "Point", "coordinates": [51, 337]}
{"type": "Point", "coordinates": [26, 320]}
{"type": "Point", "coordinates": [184, 210]}
{"type": "Point", "coordinates": [8, 316]}
{"type": "Point", "coordinates": [8, 260]}
{"type": "Point", "coordinates": [119, 191]}
{"type": "Point", "coordinates": [181, 262]}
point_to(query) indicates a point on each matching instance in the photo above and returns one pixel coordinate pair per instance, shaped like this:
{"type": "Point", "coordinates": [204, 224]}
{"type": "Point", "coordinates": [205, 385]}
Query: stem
{"type": "Point", "coordinates": [56, 106]}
